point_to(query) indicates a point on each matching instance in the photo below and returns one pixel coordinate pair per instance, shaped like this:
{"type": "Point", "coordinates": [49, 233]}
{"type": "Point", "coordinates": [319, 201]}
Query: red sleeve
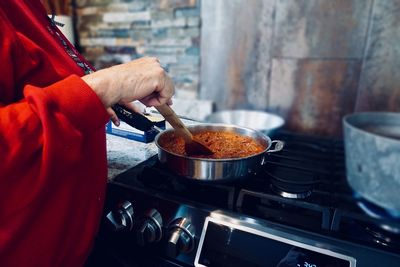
{"type": "Point", "coordinates": [46, 116]}
{"type": "Point", "coordinates": [42, 115]}
{"type": "Point", "coordinates": [53, 163]}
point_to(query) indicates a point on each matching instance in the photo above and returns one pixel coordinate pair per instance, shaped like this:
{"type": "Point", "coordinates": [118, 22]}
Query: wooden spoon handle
{"type": "Point", "coordinates": [175, 122]}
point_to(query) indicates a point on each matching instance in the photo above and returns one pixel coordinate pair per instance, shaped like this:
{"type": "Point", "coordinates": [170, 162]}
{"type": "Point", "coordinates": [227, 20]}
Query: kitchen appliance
{"type": "Point", "coordinates": [372, 144]}
{"type": "Point", "coordinates": [296, 211]}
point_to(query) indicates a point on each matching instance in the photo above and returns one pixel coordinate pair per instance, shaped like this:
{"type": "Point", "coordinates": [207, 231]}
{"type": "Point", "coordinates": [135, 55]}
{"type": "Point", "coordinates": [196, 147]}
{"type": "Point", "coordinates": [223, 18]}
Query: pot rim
{"type": "Point", "coordinates": [278, 120]}
{"type": "Point", "coordinates": [259, 133]}
{"type": "Point", "coordinates": [351, 125]}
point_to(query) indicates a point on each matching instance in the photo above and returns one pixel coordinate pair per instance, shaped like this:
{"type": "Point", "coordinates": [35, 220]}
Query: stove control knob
{"type": "Point", "coordinates": [122, 218]}
{"type": "Point", "coordinates": [150, 229]}
{"type": "Point", "coordinates": [181, 237]}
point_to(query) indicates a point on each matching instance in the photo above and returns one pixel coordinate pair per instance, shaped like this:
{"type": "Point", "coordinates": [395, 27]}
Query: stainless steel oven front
{"type": "Point", "coordinates": [230, 241]}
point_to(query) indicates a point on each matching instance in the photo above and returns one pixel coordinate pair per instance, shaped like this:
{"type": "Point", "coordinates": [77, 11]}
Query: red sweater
{"type": "Point", "coordinates": [53, 163]}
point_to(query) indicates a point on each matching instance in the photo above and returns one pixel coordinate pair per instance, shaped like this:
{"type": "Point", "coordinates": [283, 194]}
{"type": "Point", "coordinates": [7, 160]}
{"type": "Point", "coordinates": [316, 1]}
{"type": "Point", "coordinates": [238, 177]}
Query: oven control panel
{"type": "Point", "coordinates": [121, 219]}
{"type": "Point", "coordinates": [180, 237]}
{"type": "Point", "coordinates": [149, 229]}
{"type": "Point", "coordinates": [137, 224]}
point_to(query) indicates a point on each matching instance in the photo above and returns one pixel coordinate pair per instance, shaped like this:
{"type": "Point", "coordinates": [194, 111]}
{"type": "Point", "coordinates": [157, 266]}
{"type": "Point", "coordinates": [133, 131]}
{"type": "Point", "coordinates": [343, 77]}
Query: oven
{"type": "Point", "coordinates": [297, 211]}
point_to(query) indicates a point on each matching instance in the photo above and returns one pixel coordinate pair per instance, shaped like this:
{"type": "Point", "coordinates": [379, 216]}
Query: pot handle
{"type": "Point", "coordinates": [276, 145]}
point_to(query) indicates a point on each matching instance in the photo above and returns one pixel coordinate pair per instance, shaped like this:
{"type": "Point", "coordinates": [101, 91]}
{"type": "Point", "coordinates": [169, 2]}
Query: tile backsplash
{"type": "Point", "coordinates": [310, 61]}
{"type": "Point", "coordinates": [117, 31]}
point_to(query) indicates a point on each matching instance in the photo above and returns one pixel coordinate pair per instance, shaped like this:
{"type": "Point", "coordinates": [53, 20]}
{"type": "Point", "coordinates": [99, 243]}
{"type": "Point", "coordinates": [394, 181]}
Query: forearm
{"type": "Point", "coordinates": [104, 86]}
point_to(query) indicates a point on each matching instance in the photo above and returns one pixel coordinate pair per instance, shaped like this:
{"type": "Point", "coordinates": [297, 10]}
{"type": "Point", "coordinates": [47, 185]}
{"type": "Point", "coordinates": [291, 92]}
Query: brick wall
{"type": "Point", "coordinates": [117, 31]}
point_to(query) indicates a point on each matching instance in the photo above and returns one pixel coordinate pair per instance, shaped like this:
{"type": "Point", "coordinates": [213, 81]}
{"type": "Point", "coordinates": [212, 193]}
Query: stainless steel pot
{"type": "Point", "coordinates": [217, 169]}
{"type": "Point", "coordinates": [266, 122]}
{"type": "Point", "coordinates": [372, 147]}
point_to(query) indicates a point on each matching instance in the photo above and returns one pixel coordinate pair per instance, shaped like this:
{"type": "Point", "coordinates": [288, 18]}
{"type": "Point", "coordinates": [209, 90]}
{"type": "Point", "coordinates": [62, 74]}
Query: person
{"type": "Point", "coordinates": [53, 111]}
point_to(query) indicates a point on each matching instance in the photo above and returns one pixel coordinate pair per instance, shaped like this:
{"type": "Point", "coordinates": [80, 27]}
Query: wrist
{"type": "Point", "coordinates": [102, 87]}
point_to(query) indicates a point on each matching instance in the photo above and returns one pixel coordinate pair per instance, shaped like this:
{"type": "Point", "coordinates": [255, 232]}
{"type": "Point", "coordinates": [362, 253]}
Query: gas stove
{"type": "Point", "coordinates": [297, 211]}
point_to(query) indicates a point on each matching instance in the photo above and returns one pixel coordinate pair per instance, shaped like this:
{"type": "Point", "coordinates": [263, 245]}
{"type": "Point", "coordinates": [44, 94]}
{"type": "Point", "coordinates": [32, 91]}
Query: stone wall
{"type": "Point", "coordinates": [311, 61]}
{"type": "Point", "coordinates": [117, 31]}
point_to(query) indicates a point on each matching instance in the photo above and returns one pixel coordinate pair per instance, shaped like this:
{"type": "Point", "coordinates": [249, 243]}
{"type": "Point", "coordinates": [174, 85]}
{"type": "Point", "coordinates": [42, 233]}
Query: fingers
{"type": "Point", "coordinates": [162, 94]}
{"type": "Point", "coordinates": [132, 107]}
{"type": "Point", "coordinates": [151, 100]}
{"type": "Point", "coordinates": [168, 91]}
{"type": "Point", "coordinates": [113, 116]}
{"type": "Point", "coordinates": [163, 90]}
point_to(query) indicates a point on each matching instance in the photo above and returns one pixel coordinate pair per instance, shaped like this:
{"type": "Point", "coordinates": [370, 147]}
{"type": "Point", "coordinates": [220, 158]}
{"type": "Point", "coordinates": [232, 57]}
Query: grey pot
{"type": "Point", "coordinates": [372, 147]}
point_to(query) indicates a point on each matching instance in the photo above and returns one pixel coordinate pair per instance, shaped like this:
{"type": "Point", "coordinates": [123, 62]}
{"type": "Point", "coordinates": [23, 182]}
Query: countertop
{"type": "Point", "coordinates": [123, 154]}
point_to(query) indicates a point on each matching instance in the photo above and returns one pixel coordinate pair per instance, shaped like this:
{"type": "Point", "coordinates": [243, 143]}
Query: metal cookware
{"type": "Point", "coordinates": [192, 147]}
{"type": "Point", "coordinates": [372, 147]}
{"type": "Point", "coordinates": [266, 122]}
{"type": "Point", "coordinates": [217, 169]}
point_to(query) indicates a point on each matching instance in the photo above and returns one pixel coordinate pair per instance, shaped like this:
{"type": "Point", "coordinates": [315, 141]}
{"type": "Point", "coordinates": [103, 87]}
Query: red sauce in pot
{"type": "Point", "coordinates": [224, 144]}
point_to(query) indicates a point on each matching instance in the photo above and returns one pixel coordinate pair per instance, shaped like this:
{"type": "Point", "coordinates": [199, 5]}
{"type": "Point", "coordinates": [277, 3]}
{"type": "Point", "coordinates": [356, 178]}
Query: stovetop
{"type": "Point", "coordinates": [304, 186]}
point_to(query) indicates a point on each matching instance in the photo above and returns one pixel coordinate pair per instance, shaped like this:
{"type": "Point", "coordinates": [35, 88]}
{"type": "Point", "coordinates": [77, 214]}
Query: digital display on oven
{"type": "Point", "coordinates": [227, 246]}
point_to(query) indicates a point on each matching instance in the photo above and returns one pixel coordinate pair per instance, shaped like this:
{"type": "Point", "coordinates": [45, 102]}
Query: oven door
{"type": "Point", "coordinates": [235, 243]}
{"type": "Point", "coordinates": [106, 253]}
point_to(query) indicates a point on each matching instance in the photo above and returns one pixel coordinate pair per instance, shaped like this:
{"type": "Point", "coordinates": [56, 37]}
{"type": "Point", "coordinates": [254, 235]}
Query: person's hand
{"type": "Point", "coordinates": [143, 79]}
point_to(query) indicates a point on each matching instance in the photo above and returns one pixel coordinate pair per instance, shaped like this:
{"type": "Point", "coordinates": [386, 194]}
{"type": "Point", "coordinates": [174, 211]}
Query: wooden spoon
{"type": "Point", "coordinates": [192, 147]}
